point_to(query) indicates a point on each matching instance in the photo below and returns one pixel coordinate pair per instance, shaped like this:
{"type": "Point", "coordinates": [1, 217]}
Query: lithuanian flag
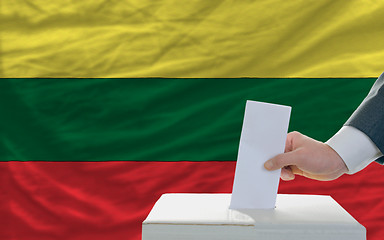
{"type": "Point", "coordinates": [106, 105]}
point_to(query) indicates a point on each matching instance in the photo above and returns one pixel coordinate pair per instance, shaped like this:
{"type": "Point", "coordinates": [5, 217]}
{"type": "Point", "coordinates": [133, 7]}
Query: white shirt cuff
{"type": "Point", "coordinates": [354, 147]}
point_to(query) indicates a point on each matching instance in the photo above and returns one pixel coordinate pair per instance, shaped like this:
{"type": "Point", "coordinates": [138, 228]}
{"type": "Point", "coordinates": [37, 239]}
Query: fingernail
{"type": "Point", "coordinates": [268, 165]}
{"type": "Point", "coordinates": [286, 176]}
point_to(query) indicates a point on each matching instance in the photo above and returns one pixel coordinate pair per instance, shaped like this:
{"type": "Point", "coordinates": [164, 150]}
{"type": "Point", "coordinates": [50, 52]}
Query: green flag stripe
{"type": "Point", "coordinates": [158, 119]}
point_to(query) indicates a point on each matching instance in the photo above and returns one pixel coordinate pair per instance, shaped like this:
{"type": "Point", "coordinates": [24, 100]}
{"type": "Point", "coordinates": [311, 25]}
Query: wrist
{"type": "Point", "coordinates": [339, 166]}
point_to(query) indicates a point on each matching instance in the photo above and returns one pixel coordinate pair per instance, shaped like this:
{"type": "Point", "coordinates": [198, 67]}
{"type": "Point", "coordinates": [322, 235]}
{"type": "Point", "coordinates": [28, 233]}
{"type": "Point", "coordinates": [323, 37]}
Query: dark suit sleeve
{"type": "Point", "coordinates": [369, 116]}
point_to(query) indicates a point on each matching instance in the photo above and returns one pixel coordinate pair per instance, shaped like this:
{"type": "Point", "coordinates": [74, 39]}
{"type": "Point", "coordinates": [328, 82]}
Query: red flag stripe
{"type": "Point", "coordinates": [109, 200]}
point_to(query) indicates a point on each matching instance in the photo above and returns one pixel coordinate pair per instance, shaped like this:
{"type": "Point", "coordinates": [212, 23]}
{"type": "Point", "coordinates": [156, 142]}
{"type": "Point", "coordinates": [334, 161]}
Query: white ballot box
{"type": "Point", "coordinates": [208, 217]}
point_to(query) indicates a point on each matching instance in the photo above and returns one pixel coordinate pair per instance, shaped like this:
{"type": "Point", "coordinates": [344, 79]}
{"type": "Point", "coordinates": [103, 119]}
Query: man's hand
{"type": "Point", "coordinates": [307, 157]}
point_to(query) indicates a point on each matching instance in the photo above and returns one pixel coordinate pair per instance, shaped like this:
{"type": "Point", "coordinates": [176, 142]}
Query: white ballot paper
{"type": "Point", "coordinates": [263, 136]}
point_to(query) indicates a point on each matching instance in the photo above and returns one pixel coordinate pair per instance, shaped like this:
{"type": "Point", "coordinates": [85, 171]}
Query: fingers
{"type": "Point", "coordinates": [282, 160]}
{"type": "Point", "coordinates": [287, 174]}
{"type": "Point", "coordinates": [292, 137]}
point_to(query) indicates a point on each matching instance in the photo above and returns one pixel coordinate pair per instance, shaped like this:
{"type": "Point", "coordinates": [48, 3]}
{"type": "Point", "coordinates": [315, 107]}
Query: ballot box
{"type": "Point", "coordinates": [208, 217]}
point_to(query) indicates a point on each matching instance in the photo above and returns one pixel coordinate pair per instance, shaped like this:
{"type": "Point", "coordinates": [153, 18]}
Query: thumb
{"type": "Point", "coordinates": [282, 160]}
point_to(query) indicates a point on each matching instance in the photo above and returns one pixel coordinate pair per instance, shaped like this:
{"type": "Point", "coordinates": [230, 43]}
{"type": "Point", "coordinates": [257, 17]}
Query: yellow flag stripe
{"type": "Point", "coordinates": [169, 38]}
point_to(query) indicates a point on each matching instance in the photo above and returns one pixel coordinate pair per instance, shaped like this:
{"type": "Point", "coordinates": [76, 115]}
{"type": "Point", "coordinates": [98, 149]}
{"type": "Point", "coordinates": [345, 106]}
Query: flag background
{"type": "Point", "coordinates": [107, 105]}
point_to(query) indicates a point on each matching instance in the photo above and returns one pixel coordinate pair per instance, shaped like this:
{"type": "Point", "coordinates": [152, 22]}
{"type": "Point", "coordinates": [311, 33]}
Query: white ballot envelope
{"type": "Point", "coordinates": [263, 136]}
